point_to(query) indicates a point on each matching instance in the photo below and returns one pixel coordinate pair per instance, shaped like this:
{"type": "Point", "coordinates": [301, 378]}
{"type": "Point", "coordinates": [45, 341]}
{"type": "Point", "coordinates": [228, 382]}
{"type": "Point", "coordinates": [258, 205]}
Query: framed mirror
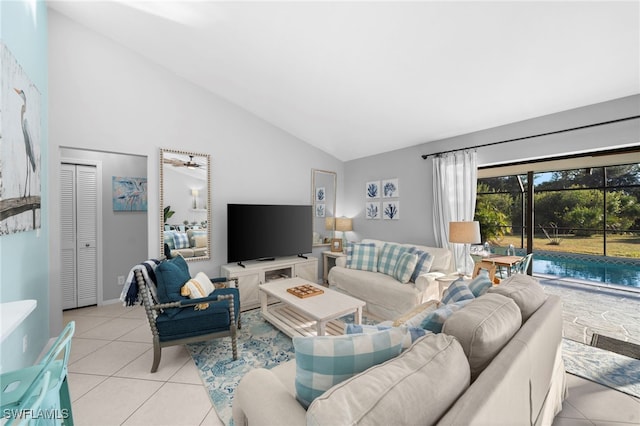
{"type": "Point", "coordinates": [185, 203]}
{"type": "Point", "coordinates": [323, 200]}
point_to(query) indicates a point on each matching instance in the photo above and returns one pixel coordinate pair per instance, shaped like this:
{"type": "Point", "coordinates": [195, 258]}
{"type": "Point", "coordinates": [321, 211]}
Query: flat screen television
{"type": "Point", "coordinates": [266, 231]}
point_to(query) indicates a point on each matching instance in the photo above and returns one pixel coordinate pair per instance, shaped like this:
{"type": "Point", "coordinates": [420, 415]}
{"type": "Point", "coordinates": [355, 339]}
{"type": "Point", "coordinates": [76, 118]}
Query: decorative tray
{"type": "Point", "coordinates": [306, 290]}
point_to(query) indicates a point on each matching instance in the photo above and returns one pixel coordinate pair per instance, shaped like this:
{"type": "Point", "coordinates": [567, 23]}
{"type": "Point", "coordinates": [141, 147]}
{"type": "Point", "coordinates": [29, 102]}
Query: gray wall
{"type": "Point", "coordinates": [124, 234]}
{"type": "Point", "coordinates": [415, 174]}
{"type": "Point", "coordinates": [103, 97]}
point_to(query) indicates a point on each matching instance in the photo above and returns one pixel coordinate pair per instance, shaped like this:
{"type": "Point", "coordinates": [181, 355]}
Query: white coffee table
{"type": "Point", "coordinates": [311, 316]}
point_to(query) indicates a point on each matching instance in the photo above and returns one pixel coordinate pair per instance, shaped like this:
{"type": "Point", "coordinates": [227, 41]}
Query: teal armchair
{"type": "Point", "coordinates": [173, 318]}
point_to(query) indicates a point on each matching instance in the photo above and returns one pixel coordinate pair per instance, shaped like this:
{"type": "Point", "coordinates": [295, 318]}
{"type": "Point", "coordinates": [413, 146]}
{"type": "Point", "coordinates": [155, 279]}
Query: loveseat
{"type": "Point", "coordinates": [496, 361]}
{"type": "Point", "coordinates": [386, 297]}
{"type": "Point", "coordinates": [192, 243]}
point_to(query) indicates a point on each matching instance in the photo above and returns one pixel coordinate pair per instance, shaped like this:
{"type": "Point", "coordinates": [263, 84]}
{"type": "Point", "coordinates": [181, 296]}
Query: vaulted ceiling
{"type": "Point", "coordinates": [360, 78]}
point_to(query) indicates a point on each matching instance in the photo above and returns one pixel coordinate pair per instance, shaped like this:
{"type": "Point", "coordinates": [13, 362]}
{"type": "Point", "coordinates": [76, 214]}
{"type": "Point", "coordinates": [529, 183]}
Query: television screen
{"type": "Point", "coordinates": [258, 231]}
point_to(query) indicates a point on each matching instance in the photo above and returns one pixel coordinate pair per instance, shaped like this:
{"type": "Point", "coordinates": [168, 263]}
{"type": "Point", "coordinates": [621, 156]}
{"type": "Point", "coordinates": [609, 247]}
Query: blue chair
{"type": "Point", "coordinates": [28, 411]}
{"type": "Point", "coordinates": [523, 265]}
{"type": "Point", "coordinates": [172, 317]}
{"type": "Point", "coordinates": [17, 386]}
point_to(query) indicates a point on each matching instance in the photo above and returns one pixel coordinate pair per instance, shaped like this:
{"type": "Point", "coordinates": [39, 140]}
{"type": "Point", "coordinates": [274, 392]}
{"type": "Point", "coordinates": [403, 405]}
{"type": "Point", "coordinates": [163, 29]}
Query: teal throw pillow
{"type": "Point", "coordinates": [168, 238]}
{"type": "Point", "coordinates": [324, 361]}
{"type": "Point", "coordinates": [364, 258]}
{"type": "Point", "coordinates": [481, 283]}
{"type": "Point", "coordinates": [349, 251]}
{"type": "Point", "coordinates": [405, 267]}
{"type": "Point", "coordinates": [425, 260]}
{"type": "Point", "coordinates": [435, 320]}
{"type": "Point", "coordinates": [457, 291]}
{"type": "Point", "coordinates": [171, 275]}
{"type": "Point", "coordinates": [389, 256]}
{"type": "Point", "coordinates": [412, 333]}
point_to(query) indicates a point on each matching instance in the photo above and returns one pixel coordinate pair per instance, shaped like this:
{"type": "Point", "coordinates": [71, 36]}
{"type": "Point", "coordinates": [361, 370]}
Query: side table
{"type": "Point", "coordinates": [329, 256]}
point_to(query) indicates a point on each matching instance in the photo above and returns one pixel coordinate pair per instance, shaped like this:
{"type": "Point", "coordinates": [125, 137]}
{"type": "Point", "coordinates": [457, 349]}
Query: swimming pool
{"type": "Point", "coordinates": [591, 268]}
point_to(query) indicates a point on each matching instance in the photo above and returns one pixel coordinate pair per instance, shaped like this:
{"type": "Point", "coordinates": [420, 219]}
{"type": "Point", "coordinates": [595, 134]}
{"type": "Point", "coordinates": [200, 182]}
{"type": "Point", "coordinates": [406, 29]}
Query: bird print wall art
{"type": "Point", "coordinates": [20, 143]}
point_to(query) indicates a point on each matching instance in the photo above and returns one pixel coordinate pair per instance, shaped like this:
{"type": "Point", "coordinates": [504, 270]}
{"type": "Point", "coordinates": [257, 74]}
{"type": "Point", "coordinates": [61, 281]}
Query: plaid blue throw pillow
{"type": "Point", "coordinates": [480, 284]}
{"type": "Point", "coordinates": [180, 240]}
{"type": "Point", "coordinates": [425, 260]}
{"type": "Point", "coordinates": [349, 250]}
{"type": "Point", "coordinates": [457, 291]}
{"type": "Point", "coordinates": [324, 361]}
{"type": "Point", "coordinates": [435, 320]}
{"type": "Point", "coordinates": [389, 256]}
{"type": "Point", "coordinates": [412, 333]}
{"type": "Point", "coordinates": [405, 267]}
{"type": "Point", "coordinates": [364, 257]}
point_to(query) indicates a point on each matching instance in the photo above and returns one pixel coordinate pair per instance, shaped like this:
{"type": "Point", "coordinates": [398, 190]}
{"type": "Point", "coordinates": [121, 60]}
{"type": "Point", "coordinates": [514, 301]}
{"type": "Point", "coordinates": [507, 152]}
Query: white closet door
{"type": "Point", "coordinates": [68, 236]}
{"type": "Point", "coordinates": [78, 231]}
{"type": "Point", "coordinates": [87, 233]}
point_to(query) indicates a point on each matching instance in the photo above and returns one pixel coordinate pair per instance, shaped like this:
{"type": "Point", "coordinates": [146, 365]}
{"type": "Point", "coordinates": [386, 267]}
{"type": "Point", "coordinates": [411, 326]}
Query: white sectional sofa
{"type": "Point", "coordinates": [487, 367]}
{"type": "Point", "coordinates": [386, 297]}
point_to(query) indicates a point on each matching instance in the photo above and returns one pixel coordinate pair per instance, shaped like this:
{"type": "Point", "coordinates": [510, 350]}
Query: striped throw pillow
{"type": "Point", "coordinates": [180, 240]}
{"type": "Point", "coordinates": [364, 257]}
{"type": "Point", "coordinates": [405, 267]}
{"type": "Point", "coordinates": [435, 320]}
{"type": "Point", "coordinates": [425, 260]}
{"type": "Point", "coordinates": [481, 283]}
{"type": "Point", "coordinates": [324, 361]}
{"type": "Point", "coordinates": [389, 256]}
{"type": "Point", "coordinates": [349, 250]}
{"type": "Point", "coordinates": [457, 291]}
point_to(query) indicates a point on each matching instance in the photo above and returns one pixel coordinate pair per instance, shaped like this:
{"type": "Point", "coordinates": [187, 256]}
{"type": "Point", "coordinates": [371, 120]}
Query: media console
{"type": "Point", "coordinates": [254, 273]}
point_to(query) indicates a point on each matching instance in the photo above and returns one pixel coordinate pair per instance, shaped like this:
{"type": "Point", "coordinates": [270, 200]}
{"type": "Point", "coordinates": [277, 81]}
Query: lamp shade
{"type": "Point", "coordinates": [194, 192]}
{"type": "Point", "coordinates": [344, 224]}
{"type": "Point", "coordinates": [464, 232]}
{"type": "Point", "coordinates": [329, 223]}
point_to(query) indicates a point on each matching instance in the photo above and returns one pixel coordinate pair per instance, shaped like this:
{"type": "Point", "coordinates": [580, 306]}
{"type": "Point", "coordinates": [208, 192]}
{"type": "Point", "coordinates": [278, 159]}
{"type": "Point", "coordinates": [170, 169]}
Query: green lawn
{"type": "Point", "coordinates": [617, 245]}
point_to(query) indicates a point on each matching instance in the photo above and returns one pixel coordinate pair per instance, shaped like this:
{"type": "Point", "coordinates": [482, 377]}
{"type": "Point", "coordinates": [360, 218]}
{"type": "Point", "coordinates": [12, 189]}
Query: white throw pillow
{"type": "Point", "coordinates": [198, 287]}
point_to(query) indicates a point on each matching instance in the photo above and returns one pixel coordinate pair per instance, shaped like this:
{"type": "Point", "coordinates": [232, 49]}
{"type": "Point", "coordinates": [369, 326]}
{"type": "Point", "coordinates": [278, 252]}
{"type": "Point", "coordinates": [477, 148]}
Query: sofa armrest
{"type": "Point", "coordinates": [428, 286]}
{"type": "Point", "coordinates": [341, 261]}
{"type": "Point", "coordinates": [262, 399]}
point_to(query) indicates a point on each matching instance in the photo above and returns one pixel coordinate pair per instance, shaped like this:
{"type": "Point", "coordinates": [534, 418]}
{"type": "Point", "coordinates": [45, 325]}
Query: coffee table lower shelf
{"type": "Point", "coordinates": [293, 323]}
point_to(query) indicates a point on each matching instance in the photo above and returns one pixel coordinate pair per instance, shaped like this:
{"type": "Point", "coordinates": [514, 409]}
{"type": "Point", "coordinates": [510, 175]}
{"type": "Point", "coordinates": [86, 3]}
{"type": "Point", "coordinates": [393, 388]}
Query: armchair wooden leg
{"type": "Point", "coordinates": [157, 352]}
{"type": "Point", "coordinates": [234, 344]}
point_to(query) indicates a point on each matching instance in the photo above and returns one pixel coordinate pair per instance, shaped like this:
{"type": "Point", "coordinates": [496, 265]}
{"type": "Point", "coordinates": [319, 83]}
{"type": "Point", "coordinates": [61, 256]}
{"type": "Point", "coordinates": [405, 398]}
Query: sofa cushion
{"type": "Point", "coordinates": [411, 333]}
{"type": "Point", "coordinates": [425, 380]}
{"type": "Point", "coordinates": [481, 283]}
{"type": "Point", "coordinates": [180, 240]}
{"type": "Point", "coordinates": [388, 257]}
{"type": "Point", "coordinates": [404, 267]}
{"type": "Point", "coordinates": [324, 361]}
{"type": "Point", "coordinates": [483, 327]}
{"type": "Point", "coordinates": [171, 275]}
{"type": "Point", "coordinates": [423, 266]}
{"type": "Point", "coordinates": [349, 251]}
{"type": "Point", "coordinates": [457, 291]}
{"type": "Point", "coordinates": [193, 234]}
{"type": "Point", "coordinates": [364, 257]}
{"type": "Point", "coordinates": [525, 290]}
{"type": "Point", "coordinates": [435, 319]}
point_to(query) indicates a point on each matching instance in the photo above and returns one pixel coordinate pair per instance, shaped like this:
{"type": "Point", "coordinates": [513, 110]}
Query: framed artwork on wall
{"type": "Point", "coordinates": [390, 188]}
{"type": "Point", "coordinates": [372, 211]}
{"type": "Point", "coordinates": [372, 190]}
{"type": "Point", "coordinates": [129, 193]}
{"type": "Point", "coordinates": [391, 210]}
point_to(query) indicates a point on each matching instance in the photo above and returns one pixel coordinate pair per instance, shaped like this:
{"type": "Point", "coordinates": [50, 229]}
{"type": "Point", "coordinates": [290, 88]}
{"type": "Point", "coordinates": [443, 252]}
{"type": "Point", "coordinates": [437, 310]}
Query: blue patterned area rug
{"type": "Point", "coordinates": [610, 369]}
{"type": "Point", "coordinates": [259, 345]}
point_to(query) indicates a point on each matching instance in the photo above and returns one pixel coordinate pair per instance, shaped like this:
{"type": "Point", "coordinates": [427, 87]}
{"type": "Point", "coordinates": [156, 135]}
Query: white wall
{"type": "Point", "coordinates": [104, 97]}
{"type": "Point", "coordinates": [415, 174]}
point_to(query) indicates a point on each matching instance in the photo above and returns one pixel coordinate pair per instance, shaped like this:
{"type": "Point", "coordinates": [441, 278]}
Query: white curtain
{"type": "Point", "coordinates": [454, 187]}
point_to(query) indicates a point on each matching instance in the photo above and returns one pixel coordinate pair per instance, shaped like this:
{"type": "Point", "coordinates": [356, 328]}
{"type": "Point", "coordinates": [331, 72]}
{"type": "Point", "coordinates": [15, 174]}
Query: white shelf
{"type": "Point", "coordinates": [13, 313]}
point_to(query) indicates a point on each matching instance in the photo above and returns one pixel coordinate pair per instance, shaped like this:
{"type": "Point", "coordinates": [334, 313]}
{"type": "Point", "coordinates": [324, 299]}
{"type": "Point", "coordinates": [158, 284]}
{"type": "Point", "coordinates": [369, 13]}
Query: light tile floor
{"type": "Point", "coordinates": [110, 382]}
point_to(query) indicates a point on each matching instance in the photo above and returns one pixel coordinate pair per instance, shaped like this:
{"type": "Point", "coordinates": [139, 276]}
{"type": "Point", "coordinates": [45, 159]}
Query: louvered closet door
{"type": "Point", "coordinates": [78, 223]}
{"type": "Point", "coordinates": [68, 236]}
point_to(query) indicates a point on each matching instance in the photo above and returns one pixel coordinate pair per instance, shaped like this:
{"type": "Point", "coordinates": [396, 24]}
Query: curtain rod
{"type": "Point", "coordinates": [425, 156]}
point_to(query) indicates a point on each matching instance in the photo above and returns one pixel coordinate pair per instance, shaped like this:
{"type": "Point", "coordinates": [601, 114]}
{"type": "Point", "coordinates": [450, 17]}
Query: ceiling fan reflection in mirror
{"type": "Point", "coordinates": [176, 162]}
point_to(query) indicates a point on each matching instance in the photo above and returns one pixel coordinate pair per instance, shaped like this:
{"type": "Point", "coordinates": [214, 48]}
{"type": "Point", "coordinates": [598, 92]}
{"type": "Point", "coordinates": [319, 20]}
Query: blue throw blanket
{"type": "Point", "coordinates": [130, 295]}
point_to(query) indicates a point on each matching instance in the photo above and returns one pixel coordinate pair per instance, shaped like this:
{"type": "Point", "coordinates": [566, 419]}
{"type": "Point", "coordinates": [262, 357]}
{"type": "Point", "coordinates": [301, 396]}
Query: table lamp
{"type": "Point", "coordinates": [344, 224]}
{"type": "Point", "coordinates": [464, 233]}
